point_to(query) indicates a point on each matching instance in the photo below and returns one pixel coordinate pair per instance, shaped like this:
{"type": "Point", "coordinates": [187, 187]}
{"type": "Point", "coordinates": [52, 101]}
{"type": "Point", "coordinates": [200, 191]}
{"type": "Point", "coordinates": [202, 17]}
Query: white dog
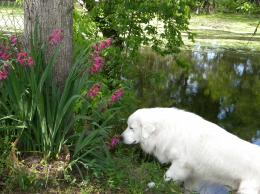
{"type": "Point", "coordinates": [199, 151]}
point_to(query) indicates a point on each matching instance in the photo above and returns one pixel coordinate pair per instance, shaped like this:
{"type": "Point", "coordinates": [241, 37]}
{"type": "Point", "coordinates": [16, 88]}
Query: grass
{"type": "Point", "coordinates": [11, 9]}
{"type": "Point", "coordinates": [230, 31]}
{"type": "Point", "coordinates": [134, 171]}
{"type": "Point", "coordinates": [11, 17]}
{"type": "Point", "coordinates": [130, 174]}
{"type": "Point", "coordinates": [232, 23]}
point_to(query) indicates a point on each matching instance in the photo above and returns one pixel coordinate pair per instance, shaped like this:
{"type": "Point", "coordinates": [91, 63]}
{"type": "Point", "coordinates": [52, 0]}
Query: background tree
{"type": "Point", "coordinates": [158, 24]}
{"type": "Point", "coordinates": [52, 14]}
{"type": "Point", "coordinates": [233, 6]}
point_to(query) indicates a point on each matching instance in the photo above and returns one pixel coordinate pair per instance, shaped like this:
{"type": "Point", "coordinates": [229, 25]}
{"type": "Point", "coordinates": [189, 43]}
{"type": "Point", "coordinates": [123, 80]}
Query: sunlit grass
{"type": "Point", "coordinates": [11, 9]}
{"type": "Point", "coordinates": [11, 17]}
{"type": "Point", "coordinates": [235, 23]}
{"type": "Point", "coordinates": [232, 31]}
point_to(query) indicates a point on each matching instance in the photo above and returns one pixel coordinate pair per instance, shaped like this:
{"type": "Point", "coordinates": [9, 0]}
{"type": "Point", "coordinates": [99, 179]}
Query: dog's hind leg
{"type": "Point", "coordinates": [248, 191]}
{"type": "Point", "coordinates": [248, 187]}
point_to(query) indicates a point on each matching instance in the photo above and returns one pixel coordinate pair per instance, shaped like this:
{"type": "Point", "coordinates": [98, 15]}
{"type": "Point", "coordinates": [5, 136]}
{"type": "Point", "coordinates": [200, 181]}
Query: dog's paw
{"type": "Point", "coordinates": [177, 182]}
{"type": "Point", "coordinates": [167, 178]}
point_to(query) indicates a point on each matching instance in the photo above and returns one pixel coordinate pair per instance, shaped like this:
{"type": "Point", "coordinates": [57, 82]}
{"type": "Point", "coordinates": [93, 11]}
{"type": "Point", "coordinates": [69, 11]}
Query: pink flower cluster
{"type": "Point", "coordinates": [4, 71]}
{"type": "Point", "coordinates": [117, 95]}
{"type": "Point", "coordinates": [98, 65]}
{"type": "Point", "coordinates": [4, 55]}
{"type": "Point", "coordinates": [3, 74]}
{"type": "Point", "coordinates": [25, 60]}
{"type": "Point", "coordinates": [99, 47]}
{"type": "Point", "coordinates": [98, 61]}
{"type": "Point", "coordinates": [94, 91]}
{"type": "Point", "coordinates": [56, 37]}
{"type": "Point", "coordinates": [5, 48]}
{"type": "Point", "coordinates": [13, 40]}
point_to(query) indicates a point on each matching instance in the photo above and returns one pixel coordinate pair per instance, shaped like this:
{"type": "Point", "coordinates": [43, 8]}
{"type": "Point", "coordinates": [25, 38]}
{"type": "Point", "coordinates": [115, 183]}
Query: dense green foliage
{"type": "Point", "coordinates": [231, 6]}
{"type": "Point", "coordinates": [69, 124]}
{"type": "Point", "coordinates": [40, 112]}
{"type": "Point", "coordinates": [158, 24]}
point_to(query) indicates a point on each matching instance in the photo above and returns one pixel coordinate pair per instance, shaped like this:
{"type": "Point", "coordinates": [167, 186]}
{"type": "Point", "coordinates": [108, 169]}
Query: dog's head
{"type": "Point", "coordinates": [139, 128]}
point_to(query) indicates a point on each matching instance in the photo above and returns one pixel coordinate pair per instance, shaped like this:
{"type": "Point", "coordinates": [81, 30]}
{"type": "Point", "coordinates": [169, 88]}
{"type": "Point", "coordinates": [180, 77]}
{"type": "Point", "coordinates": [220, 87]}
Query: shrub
{"type": "Point", "coordinates": [47, 118]}
{"type": "Point", "coordinates": [33, 100]}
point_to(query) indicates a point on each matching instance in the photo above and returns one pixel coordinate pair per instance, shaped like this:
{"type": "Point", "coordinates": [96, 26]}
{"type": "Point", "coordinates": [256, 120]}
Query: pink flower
{"type": "Point", "coordinates": [109, 42]}
{"type": "Point", "coordinates": [4, 52]}
{"type": "Point", "coordinates": [98, 65]}
{"type": "Point", "coordinates": [25, 60]}
{"type": "Point", "coordinates": [96, 68]}
{"type": "Point", "coordinates": [98, 59]}
{"type": "Point", "coordinates": [114, 142]}
{"type": "Point", "coordinates": [94, 91]}
{"type": "Point", "coordinates": [3, 75]}
{"type": "Point", "coordinates": [56, 37]}
{"type": "Point", "coordinates": [30, 62]}
{"type": "Point", "coordinates": [96, 48]}
{"type": "Point", "coordinates": [117, 96]}
{"type": "Point", "coordinates": [22, 58]}
{"type": "Point", "coordinates": [13, 40]}
{"type": "Point", "coordinates": [102, 45]}
{"type": "Point", "coordinates": [4, 55]}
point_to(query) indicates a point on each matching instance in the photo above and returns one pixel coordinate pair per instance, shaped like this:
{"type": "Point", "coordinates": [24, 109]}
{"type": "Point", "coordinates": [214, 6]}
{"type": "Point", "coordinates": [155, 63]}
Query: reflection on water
{"type": "Point", "coordinates": [222, 86]}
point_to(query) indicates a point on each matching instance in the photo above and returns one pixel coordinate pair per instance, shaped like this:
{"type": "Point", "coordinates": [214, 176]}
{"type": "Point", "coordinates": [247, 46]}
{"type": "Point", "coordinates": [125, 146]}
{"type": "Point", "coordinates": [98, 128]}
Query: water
{"type": "Point", "coordinates": [221, 85]}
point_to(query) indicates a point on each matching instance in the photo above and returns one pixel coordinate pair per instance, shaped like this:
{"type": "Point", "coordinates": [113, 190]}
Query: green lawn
{"type": "Point", "coordinates": [11, 9]}
{"type": "Point", "coordinates": [11, 17]}
{"type": "Point", "coordinates": [232, 31]}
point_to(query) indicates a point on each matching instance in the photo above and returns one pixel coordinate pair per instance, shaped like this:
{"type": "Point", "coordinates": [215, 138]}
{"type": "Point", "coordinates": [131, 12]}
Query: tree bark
{"type": "Point", "coordinates": [52, 14]}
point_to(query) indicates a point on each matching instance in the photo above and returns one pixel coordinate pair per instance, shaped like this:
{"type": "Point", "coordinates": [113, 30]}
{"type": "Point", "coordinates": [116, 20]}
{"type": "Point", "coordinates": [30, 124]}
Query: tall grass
{"type": "Point", "coordinates": [41, 112]}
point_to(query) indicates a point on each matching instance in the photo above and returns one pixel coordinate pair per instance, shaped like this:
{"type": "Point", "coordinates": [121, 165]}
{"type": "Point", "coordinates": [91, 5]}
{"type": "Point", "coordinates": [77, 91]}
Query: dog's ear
{"type": "Point", "coordinates": [147, 130]}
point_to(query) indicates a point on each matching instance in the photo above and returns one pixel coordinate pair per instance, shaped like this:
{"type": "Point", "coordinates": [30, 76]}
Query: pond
{"type": "Point", "coordinates": [221, 85]}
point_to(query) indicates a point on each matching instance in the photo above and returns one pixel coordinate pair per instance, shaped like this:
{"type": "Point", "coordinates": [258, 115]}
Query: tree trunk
{"type": "Point", "coordinates": [52, 14]}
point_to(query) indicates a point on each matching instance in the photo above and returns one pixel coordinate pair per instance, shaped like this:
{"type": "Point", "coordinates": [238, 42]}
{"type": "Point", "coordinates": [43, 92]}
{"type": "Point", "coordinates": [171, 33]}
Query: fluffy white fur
{"type": "Point", "coordinates": [199, 151]}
